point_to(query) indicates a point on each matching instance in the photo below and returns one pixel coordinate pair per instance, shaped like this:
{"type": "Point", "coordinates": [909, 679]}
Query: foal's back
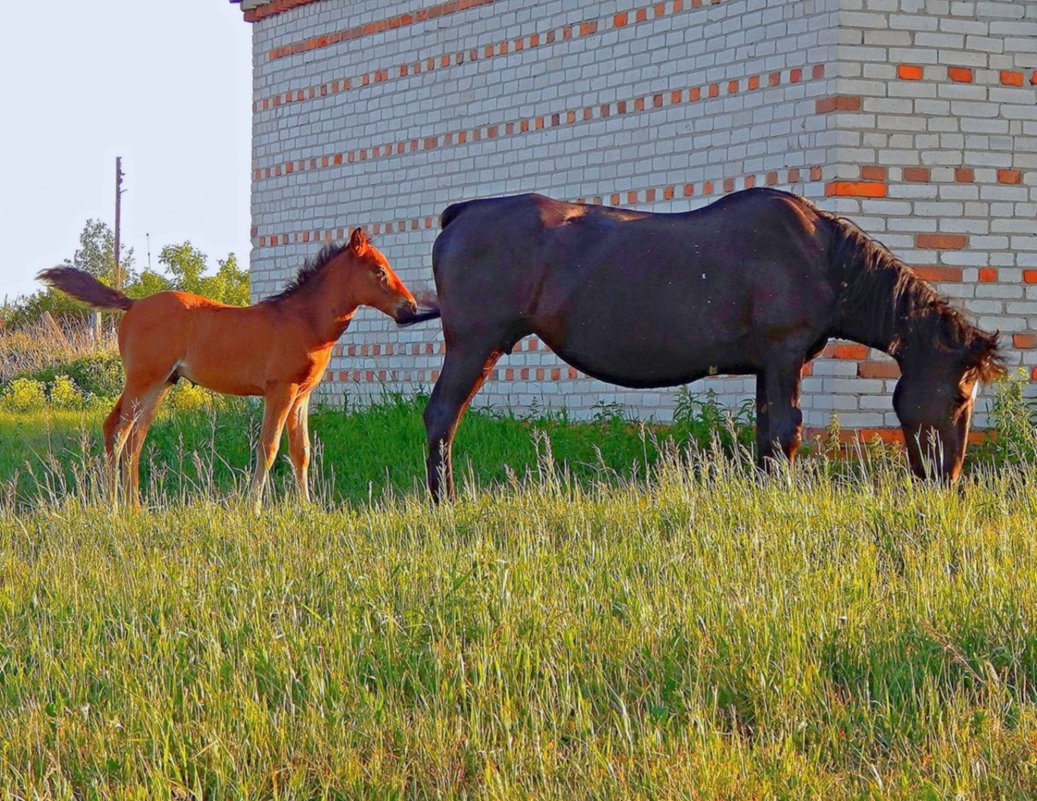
{"type": "Point", "coordinates": [236, 350]}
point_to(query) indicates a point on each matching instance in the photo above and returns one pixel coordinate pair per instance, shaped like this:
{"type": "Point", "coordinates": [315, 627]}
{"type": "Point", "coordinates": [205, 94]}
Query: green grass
{"type": "Point", "coordinates": [359, 454]}
{"type": "Point", "coordinates": [591, 630]}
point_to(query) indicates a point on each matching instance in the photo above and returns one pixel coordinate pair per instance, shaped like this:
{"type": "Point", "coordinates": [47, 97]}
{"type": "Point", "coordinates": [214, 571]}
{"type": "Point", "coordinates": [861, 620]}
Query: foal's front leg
{"type": "Point", "coordinates": [275, 410]}
{"type": "Point", "coordinates": [299, 442]}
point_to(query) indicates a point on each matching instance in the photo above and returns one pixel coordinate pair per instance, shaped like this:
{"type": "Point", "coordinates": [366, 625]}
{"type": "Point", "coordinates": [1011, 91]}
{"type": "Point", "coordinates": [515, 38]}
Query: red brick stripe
{"type": "Point", "coordinates": [629, 197]}
{"type": "Point", "coordinates": [376, 26]}
{"type": "Point", "coordinates": [517, 127]}
{"type": "Point", "coordinates": [277, 7]}
{"type": "Point", "coordinates": [476, 53]}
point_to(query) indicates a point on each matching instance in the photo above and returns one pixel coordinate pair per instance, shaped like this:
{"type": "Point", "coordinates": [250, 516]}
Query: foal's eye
{"type": "Point", "coordinates": [382, 274]}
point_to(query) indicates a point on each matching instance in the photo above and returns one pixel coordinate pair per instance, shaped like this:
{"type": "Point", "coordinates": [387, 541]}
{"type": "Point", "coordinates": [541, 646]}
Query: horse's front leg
{"type": "Point", "coordinates": [299, 442]}
{"type": "Point", "coordinates": [779, 421]}
{"type": "Point", "coordinates": [278, 402]}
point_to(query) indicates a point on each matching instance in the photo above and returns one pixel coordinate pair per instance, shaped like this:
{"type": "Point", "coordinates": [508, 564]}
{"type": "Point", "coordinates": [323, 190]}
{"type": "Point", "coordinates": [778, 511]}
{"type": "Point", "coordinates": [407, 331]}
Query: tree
{"type": "Point", "coordinates": [96, 254]}
{"type": "Point", "coordinates": [187, 266]}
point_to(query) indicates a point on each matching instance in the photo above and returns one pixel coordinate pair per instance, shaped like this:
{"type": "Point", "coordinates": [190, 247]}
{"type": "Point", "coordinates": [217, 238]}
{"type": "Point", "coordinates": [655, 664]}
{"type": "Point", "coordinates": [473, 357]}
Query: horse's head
{"type": "Point", "coordinates": [934, 400]}
{"type": "Point", "coordinates": [375, 284]}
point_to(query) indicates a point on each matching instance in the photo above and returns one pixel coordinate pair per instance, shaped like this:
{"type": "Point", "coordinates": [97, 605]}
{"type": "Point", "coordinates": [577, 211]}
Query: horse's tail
{"type": "Point", "coordinates": [83, 286]}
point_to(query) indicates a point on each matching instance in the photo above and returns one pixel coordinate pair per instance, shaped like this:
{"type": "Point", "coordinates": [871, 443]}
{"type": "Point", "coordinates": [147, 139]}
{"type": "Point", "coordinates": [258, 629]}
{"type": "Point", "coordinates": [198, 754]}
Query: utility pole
{"type": "Point", "coordinates": [117, 278]}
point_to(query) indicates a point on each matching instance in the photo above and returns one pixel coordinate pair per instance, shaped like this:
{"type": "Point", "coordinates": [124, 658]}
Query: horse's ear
{"type": "Point", "coordinates": [358, 241]}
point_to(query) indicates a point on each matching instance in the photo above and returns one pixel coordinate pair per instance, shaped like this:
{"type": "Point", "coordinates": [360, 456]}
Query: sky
{"type": "Point", "coordinates": [166, 85]}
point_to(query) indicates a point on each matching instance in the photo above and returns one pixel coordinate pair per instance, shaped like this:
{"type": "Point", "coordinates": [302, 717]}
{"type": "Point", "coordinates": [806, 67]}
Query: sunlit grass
{"type": "Point", "coordinates": [679, 630]}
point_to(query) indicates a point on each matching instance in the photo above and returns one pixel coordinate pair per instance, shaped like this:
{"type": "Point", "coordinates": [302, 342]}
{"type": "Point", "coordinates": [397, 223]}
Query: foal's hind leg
{"type": "Point", "coordinates": [144, 408]}
{"type": "Point", "coordinates": [124, 431]}
{"type": "Point", "coordinates": [462, 375]}
{"type": "Point", "coordinates": [115, 429]}
{"type": "Point", "coordinates": [779, 420]}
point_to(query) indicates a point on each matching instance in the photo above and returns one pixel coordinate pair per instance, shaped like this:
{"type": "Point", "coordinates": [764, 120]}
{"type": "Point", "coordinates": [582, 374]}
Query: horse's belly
{"type": "Point", "coordinates": [654, 361]}
{"type": "Point", "coordinates": [219, 378]}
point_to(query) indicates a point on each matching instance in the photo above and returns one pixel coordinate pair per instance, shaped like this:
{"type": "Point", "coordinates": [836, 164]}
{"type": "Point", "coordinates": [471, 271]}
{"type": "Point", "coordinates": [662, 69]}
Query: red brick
{"type": "Point", "coordinates": [1030, 276]}
{"type": "Point", "coordinates": [909, 72]}
{"type": "Point", "coordinates": [960, 74]}
{"type": "Point", "coordinates": [1009, 177]}
{"type": "Point", "coordinates": [1011, 78]}
{"type": "Point", "coordinates": [878, 370]}
{"type": "Point", "coordinates": [846, 351]}
{"type": "Point", "coordinates": [987, 274]}
{"type": "Point", "coordinates": [964, 175]}
{"type": "Point", "coordinates": [1027, 341]}
{"type": "Point", "coordinates": [941, 241]}
{"type": "Point", "coordinates": [619, 20]}
{"type": "Point", "coordinates": [938, 273]}
{"type": "Point", "coordinates": [826, 105]}
{"type": "Point", "coordinates": [818, 71]}
{"type": "Point", "coordinates": [872, 172]}
{"type": "Point", "coordinates": [916, 174]}
{"type": "Point", "coordinates": [854, 188]}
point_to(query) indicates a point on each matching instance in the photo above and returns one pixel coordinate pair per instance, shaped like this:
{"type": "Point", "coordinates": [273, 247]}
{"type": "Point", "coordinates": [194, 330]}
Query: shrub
{"type": "Point", "coordinates": [701, 418]}
{"type": "Point", "coordinates": [64, 394]}
{"type": "Point", "coordinates": [24, 395]}
{"type": "Point", "coordinates": [1014, 418]}
{"type": "Point", "coordinates": [188, 397]}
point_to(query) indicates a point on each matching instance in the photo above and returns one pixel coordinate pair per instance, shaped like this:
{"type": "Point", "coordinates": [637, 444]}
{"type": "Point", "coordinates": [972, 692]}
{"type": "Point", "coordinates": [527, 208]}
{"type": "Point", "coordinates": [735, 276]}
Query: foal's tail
{"type": "Point", "coordinates": [83, 286]}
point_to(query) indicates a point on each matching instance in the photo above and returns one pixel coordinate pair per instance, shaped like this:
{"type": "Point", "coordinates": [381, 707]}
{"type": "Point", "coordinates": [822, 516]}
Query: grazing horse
{"type": "Point", "coordinates": [278, 348]}
{"type": "Point", "coordinates": [753, 284]}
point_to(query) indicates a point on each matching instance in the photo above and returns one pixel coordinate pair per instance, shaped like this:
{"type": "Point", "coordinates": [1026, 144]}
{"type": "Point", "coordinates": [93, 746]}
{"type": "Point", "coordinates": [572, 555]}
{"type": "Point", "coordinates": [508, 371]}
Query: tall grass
{"type": "Point", "coordinates": [692, 633]}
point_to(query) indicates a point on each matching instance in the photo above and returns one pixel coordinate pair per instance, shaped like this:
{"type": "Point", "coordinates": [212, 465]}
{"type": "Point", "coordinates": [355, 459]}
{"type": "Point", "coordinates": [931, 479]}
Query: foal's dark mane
{"type": "Point", "coordinates": [310, 269]}
{"type": "Point", "coordinates": [898, 311]}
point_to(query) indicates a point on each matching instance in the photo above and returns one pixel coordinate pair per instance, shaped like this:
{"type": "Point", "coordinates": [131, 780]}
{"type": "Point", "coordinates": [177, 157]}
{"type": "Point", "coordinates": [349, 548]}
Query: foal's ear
{"type": "Point", "coordinates": [358, 241]}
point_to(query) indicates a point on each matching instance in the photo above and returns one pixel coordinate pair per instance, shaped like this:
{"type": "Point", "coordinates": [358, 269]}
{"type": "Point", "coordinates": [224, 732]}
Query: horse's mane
{"type": "Point", "coordinates": [309, 271]}
{"type": "Point", "coordinates": [899, 307]}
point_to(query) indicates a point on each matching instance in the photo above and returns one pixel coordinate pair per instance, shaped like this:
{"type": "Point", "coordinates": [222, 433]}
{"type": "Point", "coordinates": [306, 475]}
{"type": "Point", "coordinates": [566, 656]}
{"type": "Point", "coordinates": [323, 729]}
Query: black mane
{"type": "Point", "coordinates": [309, 271]}
{"type": "Point", "coordinates": [900, 308]}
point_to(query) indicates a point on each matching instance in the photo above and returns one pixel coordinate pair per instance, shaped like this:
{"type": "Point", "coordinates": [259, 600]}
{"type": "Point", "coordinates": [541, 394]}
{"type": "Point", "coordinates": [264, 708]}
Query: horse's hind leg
{"type": "Point", "coordinates": [299, 442]}
{"type": "Point", "coordinates": [464, 371]}
{"type": "Point", "coordinates": [779, 420]}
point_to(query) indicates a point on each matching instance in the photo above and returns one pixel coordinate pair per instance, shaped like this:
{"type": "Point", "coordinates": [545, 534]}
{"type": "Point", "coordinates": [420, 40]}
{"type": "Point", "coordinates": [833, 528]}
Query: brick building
{"type": "Point", "coordinates": [915, 118]}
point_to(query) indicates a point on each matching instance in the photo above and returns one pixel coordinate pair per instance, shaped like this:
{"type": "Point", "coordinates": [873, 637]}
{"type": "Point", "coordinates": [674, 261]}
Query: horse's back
{"type": "Point", "coordinates": [634, 297]}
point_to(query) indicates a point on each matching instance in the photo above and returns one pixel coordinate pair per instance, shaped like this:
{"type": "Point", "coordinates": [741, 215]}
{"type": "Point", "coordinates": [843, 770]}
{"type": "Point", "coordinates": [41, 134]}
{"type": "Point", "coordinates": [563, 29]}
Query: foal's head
{"type": "Point", "coordinates": [372, 281]}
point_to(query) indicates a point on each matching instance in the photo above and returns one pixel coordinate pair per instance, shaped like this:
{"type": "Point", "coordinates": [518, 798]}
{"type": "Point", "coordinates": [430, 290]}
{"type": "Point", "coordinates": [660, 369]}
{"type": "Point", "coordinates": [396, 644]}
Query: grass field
{"type": "Point", "coordinates": [611, 623]}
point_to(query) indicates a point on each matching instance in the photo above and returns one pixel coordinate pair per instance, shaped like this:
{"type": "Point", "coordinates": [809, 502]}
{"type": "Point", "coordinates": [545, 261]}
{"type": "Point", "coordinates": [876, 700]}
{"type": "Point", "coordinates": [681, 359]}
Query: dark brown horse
{"type": "Point", "coordinates": [278, 349]}
{"type": "Point", "coordinates": [754, 284]}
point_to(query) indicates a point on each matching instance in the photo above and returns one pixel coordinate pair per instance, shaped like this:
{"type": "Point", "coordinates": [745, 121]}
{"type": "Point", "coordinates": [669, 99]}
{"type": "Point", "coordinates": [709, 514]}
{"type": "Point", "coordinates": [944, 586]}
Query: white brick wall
{"type": "Point", "coordinates": [663, 106]}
